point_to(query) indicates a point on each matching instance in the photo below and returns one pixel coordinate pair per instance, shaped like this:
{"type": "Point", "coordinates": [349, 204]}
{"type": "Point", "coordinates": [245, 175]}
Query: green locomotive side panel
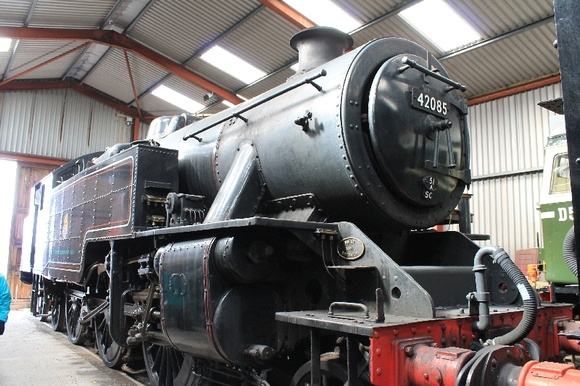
{"type": "Point", "coordinates": [557, 219]}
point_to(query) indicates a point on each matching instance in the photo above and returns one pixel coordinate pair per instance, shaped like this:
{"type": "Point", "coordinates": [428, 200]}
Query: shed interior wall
{"type": "Point", "coordinates": [508, 136]}
{"type": "Point", "coordinates": [59, 123]}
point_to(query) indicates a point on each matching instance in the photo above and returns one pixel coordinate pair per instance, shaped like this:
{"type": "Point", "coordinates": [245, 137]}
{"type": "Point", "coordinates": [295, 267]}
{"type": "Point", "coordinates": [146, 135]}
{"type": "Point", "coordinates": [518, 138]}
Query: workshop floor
{"type": "Point", "coordinates": [31, 353]}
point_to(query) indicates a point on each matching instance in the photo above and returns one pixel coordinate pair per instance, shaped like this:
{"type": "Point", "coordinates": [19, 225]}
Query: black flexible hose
{"type": "Point", "coordinates": [569, 251]}
{"type": "Point", "coordinates": [528, 295]}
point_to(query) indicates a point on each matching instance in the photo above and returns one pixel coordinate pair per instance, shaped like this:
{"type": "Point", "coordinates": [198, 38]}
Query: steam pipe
{"type": "Point", "coordinates": [526, 292]}
{"type": "Point", "coordinates": [481, 294]}
{"type": "Point", "coordinates": [242, 189]}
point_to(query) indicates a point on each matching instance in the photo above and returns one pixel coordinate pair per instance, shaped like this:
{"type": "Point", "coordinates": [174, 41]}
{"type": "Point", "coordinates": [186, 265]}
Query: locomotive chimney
{"type": "Point", "coordinates": [318, 45]}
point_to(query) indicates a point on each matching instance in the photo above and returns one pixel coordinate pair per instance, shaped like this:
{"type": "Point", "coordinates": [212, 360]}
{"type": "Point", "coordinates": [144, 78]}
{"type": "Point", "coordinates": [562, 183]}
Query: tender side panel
{"type": "Point", "coordinates": [105, 202]}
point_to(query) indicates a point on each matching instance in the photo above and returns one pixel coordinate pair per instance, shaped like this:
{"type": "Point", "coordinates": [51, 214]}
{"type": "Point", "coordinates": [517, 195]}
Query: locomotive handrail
{"type": "Point", "coordinates": [413, 64]}
{"type": "Point", "coordinates": [238, 114]}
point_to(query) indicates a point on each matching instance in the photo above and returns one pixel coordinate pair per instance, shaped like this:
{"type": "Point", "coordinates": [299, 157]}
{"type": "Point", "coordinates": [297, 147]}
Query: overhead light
{"type": "Point", "coordinates": [177, 99]}
{"type": "Point", "coordinates": [232, 64]}
{"type": "Point", "coordinates": [5, 44]}
{"type": "Point", "coordinates": [228, 103]}
{"type": "Point", "coordinates": [438, 22]}
{"type": "Point", "coordinates": [325, 13]}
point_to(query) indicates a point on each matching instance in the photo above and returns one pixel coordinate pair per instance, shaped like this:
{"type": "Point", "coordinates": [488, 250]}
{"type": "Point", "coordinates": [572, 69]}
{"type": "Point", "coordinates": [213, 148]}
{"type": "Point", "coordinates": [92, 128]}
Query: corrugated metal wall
{"type": "Point", "coordinates": [508, 136]}
{"type": "Point", "coordinates": [58, 123]}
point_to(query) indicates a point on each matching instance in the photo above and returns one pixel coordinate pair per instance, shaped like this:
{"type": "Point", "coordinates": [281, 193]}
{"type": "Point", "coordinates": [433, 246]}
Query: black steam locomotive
{"type": "Point", "coordinates": [285, 240]}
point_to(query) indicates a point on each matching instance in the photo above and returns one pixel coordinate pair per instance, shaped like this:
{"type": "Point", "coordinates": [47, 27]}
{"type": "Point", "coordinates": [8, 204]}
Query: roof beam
{"type": "Point", "coordinates": [207, 45]}
{"type": "Point", "coordinates": [20, 157]}
{"type": "Point", "coordinates": [115, 39]}
{"type": "Point", "coordinates": [288, 13]}
{"type": "Point", "coordinates": [43, 64]}
{"type": "Point", "coordinates": [83, 89]}
{"type": "Point", "coordinates": [516, 89]}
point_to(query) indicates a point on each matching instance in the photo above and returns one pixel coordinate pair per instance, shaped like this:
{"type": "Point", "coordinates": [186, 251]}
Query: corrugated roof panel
{"type": "Point", "coordinates": [70, 14]}
{"type": "Point", "coordinates": [158, 107]}
{"type": "Point", "coordinates": [367, 10]}
{"type": "Point", "coordinates": [214, 75]}
{"type": "Point", "coordinates": [185, 88]}
{"type": "Point", "coordinates": [112, 75]}
{"type": "Point", "coordinates": [492, 18]}
{"type": "Point", "coordinates": [511, 60]}
{"type": "Point", "coordinates": [4, 59]}
{"type": "Point", "coordinates": [263, 41]}
{"type": "Point", "coordinates": [394, 27]}
{"type": "Point", "coordinates": [180, 29]}
{"type": "Point", "coordinates": [267, 84]}
{"type": "Point", "coordinates": [31, 53]}
{"type": "Point", "coordinates": [13, 12]}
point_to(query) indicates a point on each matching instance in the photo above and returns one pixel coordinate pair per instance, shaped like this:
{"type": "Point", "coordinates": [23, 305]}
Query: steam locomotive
{"type": "Point", "coordinates": [286, 241]}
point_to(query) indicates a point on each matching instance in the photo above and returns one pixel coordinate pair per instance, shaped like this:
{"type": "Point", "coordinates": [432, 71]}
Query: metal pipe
{"type": "Point", "coordinates": [528, 295]}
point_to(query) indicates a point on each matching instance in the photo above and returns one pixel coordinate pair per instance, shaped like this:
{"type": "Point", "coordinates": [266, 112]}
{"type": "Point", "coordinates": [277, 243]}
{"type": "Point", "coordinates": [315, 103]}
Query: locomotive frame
{"type": "Point", "coordinates": [286, 241]}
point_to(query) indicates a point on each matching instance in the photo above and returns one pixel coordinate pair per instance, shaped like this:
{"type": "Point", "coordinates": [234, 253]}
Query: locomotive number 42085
{"type": "Point", "coordinates": [423, 101]}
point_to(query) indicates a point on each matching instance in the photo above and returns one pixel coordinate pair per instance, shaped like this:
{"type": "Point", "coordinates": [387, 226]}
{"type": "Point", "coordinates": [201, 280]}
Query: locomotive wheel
{"type": "Point", "coordinates": [110, 352]}
{"type": "Point", "coordinates": [76, 332]}
{"type": "Point", "coordinates": [57, 312]}
{"type": "Point", "coordinates": [167, 366]}
{"type": "Point", "coordinates": [332, 373]}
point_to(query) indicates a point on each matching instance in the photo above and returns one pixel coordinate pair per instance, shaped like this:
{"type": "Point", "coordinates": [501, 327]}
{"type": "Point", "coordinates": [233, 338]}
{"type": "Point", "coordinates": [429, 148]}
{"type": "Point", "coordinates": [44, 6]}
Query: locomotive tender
{"type": "Point", "coordinates": [285, 240]}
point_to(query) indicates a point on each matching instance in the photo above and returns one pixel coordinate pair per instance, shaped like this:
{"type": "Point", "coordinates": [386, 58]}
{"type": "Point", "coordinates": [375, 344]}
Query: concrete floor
{"type": "Point", "coordinates": [31, 353]}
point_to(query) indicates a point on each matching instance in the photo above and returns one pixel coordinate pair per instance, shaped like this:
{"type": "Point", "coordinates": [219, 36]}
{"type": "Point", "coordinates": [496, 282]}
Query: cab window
{"type": "Point", "coordinates": [560, 174]}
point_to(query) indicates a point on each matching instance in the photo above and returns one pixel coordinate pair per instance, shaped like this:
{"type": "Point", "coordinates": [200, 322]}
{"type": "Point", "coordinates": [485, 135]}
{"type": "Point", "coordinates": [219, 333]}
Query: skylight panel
{"type": "Point", "coordinates": [439, 23]}
{"type": "Point", "coordinates": [177, 99]}
{"type": "Point", "coordinates": [325, 13]}
{"type": "Point", "coordinates": [5, 44]}
{"type": "Point", "coordinates": [232, 64]}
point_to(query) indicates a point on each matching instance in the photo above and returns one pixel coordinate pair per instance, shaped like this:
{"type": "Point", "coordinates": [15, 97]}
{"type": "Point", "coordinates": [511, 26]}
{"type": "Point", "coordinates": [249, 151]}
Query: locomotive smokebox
{"type": "Point", "coordinates": [319, 45]}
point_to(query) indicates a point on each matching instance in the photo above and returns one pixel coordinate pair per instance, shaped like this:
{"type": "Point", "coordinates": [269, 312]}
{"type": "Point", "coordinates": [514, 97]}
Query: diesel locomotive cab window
{"type": "Point", "coordinates": [560, 175]}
